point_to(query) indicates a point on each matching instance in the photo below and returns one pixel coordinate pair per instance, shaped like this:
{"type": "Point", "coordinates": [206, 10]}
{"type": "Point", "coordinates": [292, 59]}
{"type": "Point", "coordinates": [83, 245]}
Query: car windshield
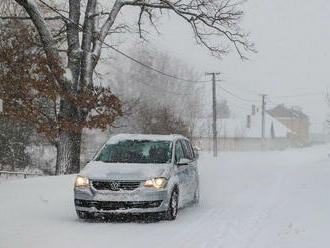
{"type": "Point", "coordinates": [136, 151]}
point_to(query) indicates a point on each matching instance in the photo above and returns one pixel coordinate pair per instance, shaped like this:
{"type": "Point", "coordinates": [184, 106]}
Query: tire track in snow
{"type": "Point", "coordinates": [199, 231]}
{"type": "Point", "coordinates": [205, 228]}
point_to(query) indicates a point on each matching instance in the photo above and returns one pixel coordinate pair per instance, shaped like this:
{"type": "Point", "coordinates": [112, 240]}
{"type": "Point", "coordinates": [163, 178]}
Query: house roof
{"type": "Point", "coordinates": [237, 128]}
{"type": "Point", "coordinates": [280, 111]}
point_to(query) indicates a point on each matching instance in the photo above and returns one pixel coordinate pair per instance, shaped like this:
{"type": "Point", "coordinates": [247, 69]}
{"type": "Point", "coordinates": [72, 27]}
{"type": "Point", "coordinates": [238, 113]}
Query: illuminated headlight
{"type": "Point", "coordinates": [81, 181]}
{"type": "Point", "coordinates": [158, 182]}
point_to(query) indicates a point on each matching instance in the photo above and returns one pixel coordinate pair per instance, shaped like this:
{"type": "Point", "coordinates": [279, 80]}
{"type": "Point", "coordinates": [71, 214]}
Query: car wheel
{"type": "Point", "coordinates": [172, 211]}
{"type": "Point", "coordinates": [83, 215]}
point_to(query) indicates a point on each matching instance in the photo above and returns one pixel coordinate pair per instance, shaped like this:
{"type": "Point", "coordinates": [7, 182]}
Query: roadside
{"type": "Point", "coordinates": [257, 199]}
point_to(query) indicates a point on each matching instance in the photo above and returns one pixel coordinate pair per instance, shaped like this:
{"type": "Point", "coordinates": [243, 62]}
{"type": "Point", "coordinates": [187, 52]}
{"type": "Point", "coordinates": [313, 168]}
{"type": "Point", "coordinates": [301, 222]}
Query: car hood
{"type": "Point", "coordinates": [125, 171]}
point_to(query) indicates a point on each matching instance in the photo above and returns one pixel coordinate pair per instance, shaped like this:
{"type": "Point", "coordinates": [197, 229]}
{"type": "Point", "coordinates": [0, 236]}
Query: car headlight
{"type": "Point", "coordinates": [158, 182]}
{"type": "Point", "coordinates": [81, 181]}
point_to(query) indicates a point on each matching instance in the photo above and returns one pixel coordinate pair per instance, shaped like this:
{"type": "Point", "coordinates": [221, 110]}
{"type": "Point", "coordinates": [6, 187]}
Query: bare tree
{"type": "Point", "coordinates": [30, 94]}
{"type": "Point", "coordinates": [134, 81]}
{"type": "Point", "coordinates": [212, 22]}
{"type": "Point", "coordinates": [154, 91]}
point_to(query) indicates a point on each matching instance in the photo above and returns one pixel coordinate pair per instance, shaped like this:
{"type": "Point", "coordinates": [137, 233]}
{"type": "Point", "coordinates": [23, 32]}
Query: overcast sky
{"type": "Point", "coordinates": [292, 38]}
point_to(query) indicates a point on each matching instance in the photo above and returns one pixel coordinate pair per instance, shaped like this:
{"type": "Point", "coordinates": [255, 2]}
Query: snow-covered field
{"type": "Point", "coordinates": [257, 199]}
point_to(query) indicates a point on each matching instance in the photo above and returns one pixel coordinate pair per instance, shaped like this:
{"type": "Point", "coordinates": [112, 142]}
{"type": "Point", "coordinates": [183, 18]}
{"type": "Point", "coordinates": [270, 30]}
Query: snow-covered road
{"type": "Point", "coordinates": [258, 199]}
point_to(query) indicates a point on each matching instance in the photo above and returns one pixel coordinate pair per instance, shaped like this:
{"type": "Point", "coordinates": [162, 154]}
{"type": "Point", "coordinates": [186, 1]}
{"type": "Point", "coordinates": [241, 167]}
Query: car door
{"type": "Point", "coordinates": [182, 173]}
{"type": "Point", "coordinates": [192, 167]}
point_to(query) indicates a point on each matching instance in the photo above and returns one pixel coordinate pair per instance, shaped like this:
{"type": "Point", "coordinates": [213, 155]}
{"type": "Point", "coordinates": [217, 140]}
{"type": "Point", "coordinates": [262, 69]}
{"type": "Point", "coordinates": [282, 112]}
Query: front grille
{"type": "Point", "coordinates": [115, 185]}
{"type": "Point", "coordinates": [117, 205]}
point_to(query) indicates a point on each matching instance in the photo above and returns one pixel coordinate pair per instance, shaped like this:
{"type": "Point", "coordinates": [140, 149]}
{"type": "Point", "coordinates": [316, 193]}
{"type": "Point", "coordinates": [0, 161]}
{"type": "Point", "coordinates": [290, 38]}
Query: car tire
{"type": "Point", "coordinates": [172, 211]}
{"type": "Point", "coordinates": [83, 215]}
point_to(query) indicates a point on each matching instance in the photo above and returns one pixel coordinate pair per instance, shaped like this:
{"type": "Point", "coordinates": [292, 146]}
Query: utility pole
{"type": "Point", "coordinates": [214, 110]}
{"type": "Point", "coordinates": [263, 104]}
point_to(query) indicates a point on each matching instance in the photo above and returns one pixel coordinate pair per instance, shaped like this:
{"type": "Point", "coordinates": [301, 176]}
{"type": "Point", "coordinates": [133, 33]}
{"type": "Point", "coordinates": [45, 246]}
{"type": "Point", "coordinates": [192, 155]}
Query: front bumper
{"type": "Point", "coordinates": [141, 200]}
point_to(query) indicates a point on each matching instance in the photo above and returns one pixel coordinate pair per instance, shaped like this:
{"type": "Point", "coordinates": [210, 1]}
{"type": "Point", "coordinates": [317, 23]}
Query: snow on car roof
{"type": "Point", "coordinates": [153, 137]}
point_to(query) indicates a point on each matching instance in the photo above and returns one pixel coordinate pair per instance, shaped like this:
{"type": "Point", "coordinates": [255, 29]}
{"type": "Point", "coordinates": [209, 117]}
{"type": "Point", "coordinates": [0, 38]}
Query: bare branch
{"type": "Point", "coordinates": [139, 21]}
{"type": "Point", "coordinates": [210, 20]}
{"type": "Point", "coordinates": [106, 28]}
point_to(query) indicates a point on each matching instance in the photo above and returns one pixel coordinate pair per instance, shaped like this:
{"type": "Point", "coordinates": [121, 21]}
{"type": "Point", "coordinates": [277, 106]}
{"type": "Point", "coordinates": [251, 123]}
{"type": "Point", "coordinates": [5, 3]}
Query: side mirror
{"type": "Point", "coordinates": [183, 161]}
{"type": "Point", "coordinates": [196, 151]}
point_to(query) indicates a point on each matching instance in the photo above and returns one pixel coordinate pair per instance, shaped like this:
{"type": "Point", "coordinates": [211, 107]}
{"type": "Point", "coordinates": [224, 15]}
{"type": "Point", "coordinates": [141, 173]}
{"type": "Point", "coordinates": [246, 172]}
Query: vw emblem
{"type": "Point", "coordinates": [114, 186]}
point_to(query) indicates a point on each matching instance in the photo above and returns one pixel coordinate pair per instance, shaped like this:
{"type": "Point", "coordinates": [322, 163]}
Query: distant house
{"type": "Point", "coordinates": [243, 134]}
{"type": "Point", "coordinates": [294, 119]}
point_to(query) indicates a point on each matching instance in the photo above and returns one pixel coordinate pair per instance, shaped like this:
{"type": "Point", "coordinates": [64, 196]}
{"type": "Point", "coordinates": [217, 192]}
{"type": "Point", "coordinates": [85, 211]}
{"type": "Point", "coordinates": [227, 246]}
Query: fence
{"type": "Point", "coordinates": [12, 173]}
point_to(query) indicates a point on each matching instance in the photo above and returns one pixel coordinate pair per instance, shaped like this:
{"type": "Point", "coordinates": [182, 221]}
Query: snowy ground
{"type": "Point", "coordinates": [259, 200]}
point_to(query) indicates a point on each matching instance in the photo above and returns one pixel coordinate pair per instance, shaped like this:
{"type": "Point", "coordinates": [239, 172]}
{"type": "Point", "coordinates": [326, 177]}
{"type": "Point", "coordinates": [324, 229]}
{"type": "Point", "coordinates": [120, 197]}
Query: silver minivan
{"type": "Point", "coordinates": [135, 174]}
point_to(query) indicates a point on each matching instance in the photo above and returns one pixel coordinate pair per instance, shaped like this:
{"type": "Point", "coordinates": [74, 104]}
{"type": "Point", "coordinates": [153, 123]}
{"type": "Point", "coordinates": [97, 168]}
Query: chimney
{"type": "Point", "coordinates": [253, 109]}
{"type": "Point", "coordinates": [248, 121]}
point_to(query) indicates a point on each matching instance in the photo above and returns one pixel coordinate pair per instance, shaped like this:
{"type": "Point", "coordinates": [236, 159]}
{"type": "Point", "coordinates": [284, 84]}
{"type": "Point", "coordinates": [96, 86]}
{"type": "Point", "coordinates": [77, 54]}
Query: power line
{"type": "Point", "coordinates": [167, 74]}
{"type": "Point", "coordinates": [126, 55]}
{"type": "Point", "coordinates": [242, 107]}
{"type": "Point", "coordinates": [164, 90]}
{"type": "Point", "coordinates": [154, 69]}
{"type": "Point", "coordinates": [300, 95]}
{"type": "Point", "coordinates": [234, 95]}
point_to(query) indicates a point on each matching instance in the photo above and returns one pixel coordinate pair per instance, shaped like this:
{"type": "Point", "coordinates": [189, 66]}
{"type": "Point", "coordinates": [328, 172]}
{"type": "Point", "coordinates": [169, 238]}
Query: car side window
{"type": "Point", "coordinates": [192, 150]}
{"type": "Point", "coordinates": [186, 150]}
{"type": "Point", "coordinates": [178, 151]}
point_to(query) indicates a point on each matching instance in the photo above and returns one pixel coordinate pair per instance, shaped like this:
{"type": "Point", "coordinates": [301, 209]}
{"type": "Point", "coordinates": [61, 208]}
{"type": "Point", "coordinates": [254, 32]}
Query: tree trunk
{"type": "Point", "coordinates": [68, 153]}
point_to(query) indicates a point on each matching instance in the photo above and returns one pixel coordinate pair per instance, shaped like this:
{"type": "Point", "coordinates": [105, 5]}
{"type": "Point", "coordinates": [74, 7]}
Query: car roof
{"type": "Point", "coordinates": [153, 137]}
